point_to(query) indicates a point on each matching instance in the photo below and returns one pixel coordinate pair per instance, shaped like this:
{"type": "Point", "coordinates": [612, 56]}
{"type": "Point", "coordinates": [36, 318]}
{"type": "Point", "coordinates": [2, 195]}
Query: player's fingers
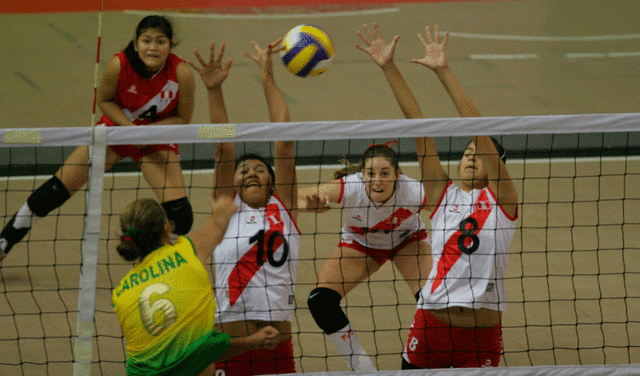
{"type": "Point", "coordinates": [254, 58]}
{"type": "Point", "coordinates": [429, 36]}
{"type": "Point", "coordinates": [212, 51]}
{"type": "Point", "coordinates": [199, 57]}
{"type": "Point", "coordinates": [361, 48]}
{"type": "Point", "coordinates": [278, 49]}
{"type": "Point", "coordinates": [270, 331]}
{"type": "Point", "coordinates": [437, 34]}
{"type": "Point", "coordinates": [256, 46]}
{"type": "Point", "coordinates": [424, 42]}
{"type": "Point", "coordinates": [276, 42]}
{"type": "Point", "coordinates": [197, 68]}
{"type": "Point", "coordinates": [221, 54]}
{"type": "Point", "coordinates": [364, 39]}
{"type": "Point", "coordinates": [377, 31]}
{"type": "Point", "coordinates": [394, 41]}
{"type": "Point", "coordinates": [369, 31]}
{"type": "Point", "coordinates": [446, 39]}
{"type": "Point", "coordinates": [228, 65]}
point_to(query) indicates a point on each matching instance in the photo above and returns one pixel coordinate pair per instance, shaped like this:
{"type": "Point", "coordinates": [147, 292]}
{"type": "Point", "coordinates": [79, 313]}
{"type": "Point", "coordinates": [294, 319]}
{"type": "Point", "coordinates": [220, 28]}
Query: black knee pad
{"type": "Point", "coordinates": [180, 215]}
{"type": "Point", "coordinates": [49, 196]}
{"type": "Point", "coordinates": [324, 305]}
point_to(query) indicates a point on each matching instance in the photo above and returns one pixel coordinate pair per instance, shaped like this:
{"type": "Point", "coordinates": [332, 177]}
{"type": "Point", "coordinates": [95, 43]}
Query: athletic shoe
{"type": "Point", "coordinates": [362, 363]}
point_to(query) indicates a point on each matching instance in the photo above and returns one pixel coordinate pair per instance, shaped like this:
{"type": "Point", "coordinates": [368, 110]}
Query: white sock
{"type": "Point", "coordinates": [25, 218]}
{"type": "Point", "coordinates": [346, 342]}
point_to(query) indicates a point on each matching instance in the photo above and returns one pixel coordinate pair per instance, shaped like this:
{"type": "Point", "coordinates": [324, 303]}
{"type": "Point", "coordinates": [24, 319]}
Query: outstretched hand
{"type": "Point", "coordinates": [316, 202]}
{"type": "Point", "coordinates": [377, 48]}
{"type": "Point", "coordinates": [435, 56]}
{"type": "Point", "coordinates": [212, 72]}
{"type": "Point", "coordinates": [223, 206]}
{"type": "Point", "coordinates": [263, 56]}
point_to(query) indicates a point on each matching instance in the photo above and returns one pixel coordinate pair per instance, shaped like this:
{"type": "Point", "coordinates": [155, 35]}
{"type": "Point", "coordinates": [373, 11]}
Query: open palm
{"type": "Point", "coordinates": [263, 56]}
{"type": "Point", "coordinates": [435, 56]}
{"type": "Point", "coordinates": [213, 73]}
{"type": "Point", "coordinates": [377, 48]}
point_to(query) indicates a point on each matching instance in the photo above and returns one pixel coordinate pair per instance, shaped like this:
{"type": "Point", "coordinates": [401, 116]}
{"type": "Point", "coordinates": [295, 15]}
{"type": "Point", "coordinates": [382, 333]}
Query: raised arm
{"type": "Point", "coordinates": [278, 107]}
{"type": "Point", "coordinates": [284, 153]}
{"type": "Point", "coordinates": [497, 174]}
{"type": "Point", "coordinates": [210, 235]}
{"type": "Point", "coordinates": [213, 74]}
{"type": "Point", "coordinates": [317, 198]}
{"type": "Point", "coordinates": [436, 59]}
{"type": "Point", "coordinates": [286, 179]}
{"type": "Point", "coordinates": [434, 178]}
{"type": "Point", "coordinates": [224, 171]}
{"type": "Point", "coordinates": [382, 54]}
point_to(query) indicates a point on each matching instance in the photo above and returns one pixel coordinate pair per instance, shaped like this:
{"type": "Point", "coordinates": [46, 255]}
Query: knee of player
{"type": "Point", "coordinates": [324, 305]}
{"type": "Point", "coordinates": [49, 196]}
{"type": "Point", "coordinates": [180, 214]}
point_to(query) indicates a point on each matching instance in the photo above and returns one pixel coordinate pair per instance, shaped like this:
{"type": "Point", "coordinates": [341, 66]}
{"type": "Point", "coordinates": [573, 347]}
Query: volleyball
{"type": "Point", "coordinates": [308, 51]}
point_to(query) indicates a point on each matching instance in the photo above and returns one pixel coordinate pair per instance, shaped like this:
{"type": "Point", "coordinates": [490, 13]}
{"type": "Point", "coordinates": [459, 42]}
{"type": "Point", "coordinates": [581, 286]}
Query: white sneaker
{"type": "Point", "coordinates": [362, 363]}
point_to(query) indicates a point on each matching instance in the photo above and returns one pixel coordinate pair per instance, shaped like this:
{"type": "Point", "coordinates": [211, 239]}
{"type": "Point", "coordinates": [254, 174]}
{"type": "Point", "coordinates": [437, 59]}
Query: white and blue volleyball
{"type": "Point", "coordinates": [308, 51]}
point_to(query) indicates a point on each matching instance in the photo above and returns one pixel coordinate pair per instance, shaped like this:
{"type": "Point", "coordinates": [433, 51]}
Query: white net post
{"type": "Point", "coordinates": [83, 349]}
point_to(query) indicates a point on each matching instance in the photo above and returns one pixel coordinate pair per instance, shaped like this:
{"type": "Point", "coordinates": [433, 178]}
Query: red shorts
{"type": "Point", "coordinates": [135, 152]}
{"type": "Point", "coordinates": [383, 255]}
{"type": "Point", "coordinates": [260, 362]}
{"type": "Point", "coordinates": [435, 344]}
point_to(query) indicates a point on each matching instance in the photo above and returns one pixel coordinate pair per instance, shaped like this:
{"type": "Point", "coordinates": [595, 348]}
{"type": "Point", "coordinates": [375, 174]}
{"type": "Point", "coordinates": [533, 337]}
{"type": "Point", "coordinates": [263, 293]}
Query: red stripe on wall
{"type": "Point", "coordinates": [220, 6]}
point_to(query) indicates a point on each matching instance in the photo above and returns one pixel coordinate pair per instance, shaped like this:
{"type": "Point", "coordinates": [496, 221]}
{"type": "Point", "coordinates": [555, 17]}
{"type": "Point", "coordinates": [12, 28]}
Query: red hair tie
{"type": "Point", "coordinates": [387, 144]}
{"type": "Point", "coordinates": [126, 239]}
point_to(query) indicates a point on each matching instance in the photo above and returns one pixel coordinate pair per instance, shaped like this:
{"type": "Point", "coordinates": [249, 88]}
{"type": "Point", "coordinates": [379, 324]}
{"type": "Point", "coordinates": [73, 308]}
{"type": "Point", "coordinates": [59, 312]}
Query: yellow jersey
{"type": "Point", "coordinates": [166, 309]}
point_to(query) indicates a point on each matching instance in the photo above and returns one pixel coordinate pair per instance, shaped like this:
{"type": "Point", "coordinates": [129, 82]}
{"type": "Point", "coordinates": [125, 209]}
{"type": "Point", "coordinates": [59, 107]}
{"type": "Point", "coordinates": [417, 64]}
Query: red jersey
{"type": "Point", "coordinates": [147, 100]}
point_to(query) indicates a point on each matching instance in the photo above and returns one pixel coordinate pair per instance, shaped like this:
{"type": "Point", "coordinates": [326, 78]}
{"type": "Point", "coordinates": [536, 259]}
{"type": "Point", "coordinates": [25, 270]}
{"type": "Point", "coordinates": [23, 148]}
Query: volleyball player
{"type": "Point", "coordinates": [165, 304]}
{"type": "Point", "coordinates": [146, 84]}
{"type": "Point", "coordinates": [458, 317]}
{"type": "Point", "coordinates": [256, 262]}
{"type": "Point", "coordinates": [381, 212]}
{"type": "Point", "coordinates": [381, 209]}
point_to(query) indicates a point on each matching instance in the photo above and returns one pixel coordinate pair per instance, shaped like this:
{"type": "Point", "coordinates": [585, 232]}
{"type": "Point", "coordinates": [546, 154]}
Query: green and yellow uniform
{"type": "Point", "coordinates": [166, 309]}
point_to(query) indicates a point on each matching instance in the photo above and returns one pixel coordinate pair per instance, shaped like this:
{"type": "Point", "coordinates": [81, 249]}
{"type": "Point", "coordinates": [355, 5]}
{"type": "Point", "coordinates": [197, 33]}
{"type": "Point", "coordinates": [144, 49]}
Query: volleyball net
{"type": "Point", "coordinates": [573, 283]}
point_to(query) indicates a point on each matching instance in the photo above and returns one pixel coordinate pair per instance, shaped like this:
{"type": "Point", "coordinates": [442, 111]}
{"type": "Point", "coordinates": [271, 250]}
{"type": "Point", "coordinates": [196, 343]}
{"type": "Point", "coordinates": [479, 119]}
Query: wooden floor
{"type": "Point", "coordinates": [574, 281]}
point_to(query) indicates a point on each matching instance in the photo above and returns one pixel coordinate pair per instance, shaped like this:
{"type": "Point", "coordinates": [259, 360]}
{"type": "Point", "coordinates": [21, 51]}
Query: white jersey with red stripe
{"type": "Point", "coordinates": [470, 239]}
{"type": "Point", "coordinates": [256, 264]}
{"type": "Point", "coordinates": [381, 225]}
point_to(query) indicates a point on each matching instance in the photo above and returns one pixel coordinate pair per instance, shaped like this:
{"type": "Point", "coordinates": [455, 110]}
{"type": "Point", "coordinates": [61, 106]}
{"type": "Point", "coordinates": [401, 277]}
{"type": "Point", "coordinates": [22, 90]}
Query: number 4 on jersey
{"type": "Point", "coordinates": [150, 114]}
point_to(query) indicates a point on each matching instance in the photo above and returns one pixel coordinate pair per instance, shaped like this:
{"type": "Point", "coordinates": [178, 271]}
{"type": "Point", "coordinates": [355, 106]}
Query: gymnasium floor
{"type": "Point", "coordinates": [571, 281]}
